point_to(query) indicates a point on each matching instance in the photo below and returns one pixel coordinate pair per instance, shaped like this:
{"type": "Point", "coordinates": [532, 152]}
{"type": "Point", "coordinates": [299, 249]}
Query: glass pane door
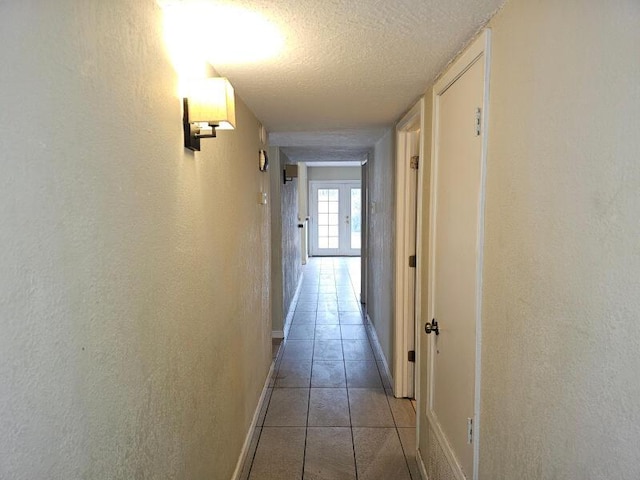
{"type": "Point", "coordinates": [328, 218]}
{"type": "Point", "coordinates": [336, 218]}
{"type": "Point", "coordinates": [356, 218]}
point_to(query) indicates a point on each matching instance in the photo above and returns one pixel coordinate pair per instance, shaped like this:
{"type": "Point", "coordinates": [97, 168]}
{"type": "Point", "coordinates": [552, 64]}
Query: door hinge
{"type": "Point", "coordinates": [412, 356]}
{"type": "Point", "coordinates": [412, 261]}
{"type": "Point", "coordinates": [469, 431]}
{"type": "Point", "coordinates": [415, 162]}
{"type": "Point", "coordinates": [478, 121]}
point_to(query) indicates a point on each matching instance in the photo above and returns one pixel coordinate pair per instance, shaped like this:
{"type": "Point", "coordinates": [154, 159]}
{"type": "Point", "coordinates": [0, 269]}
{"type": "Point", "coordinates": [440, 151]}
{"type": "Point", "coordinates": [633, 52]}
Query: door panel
{"type": "Point", "coordinates": [335, 218]}
{"type": "Point", "coordinates": [455, 261]}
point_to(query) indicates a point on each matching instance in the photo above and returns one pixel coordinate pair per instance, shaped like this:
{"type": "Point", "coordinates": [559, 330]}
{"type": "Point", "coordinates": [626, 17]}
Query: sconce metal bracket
{"type": "Point", "coordinates": [192, 133]}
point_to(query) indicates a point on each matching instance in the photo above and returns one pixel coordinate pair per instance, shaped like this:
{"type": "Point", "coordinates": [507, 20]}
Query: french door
{"type": "Point", "coordinates": [336, 217]}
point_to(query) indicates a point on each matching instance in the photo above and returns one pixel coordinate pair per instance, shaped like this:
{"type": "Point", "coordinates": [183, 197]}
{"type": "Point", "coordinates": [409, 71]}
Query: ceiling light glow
{"type": "Point", "coordinates": [217, 33]}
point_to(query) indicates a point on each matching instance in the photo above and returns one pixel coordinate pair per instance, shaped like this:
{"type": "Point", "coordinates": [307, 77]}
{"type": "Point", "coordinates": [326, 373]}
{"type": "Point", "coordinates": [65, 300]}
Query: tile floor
{"type": "Point", "coordinates": [329, 412]}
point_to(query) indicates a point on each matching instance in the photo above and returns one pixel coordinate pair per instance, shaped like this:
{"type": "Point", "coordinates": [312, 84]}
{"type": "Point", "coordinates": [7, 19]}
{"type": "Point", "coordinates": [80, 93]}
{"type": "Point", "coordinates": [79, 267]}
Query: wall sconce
{"type": "Point", "coordinates": [289, 173]}
{"type": "Point", "coordinates": [210, 105]}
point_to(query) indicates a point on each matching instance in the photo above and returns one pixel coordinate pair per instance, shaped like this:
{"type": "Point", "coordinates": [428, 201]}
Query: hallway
{"type": "Point", "coordinates": [330, 413]}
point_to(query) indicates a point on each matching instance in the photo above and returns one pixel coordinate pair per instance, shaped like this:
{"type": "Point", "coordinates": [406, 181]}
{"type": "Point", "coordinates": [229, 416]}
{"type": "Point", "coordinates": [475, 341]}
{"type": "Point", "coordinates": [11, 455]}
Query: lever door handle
{"type": "Point", "coordinates": [432, 327]}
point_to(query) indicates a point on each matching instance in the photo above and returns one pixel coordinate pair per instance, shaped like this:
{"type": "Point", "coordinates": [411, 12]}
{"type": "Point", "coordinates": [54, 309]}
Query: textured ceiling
{"type": "Point", "coordinates": [349, 69]}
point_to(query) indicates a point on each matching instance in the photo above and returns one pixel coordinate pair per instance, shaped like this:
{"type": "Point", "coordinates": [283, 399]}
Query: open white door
{"type": "Point", "coordinates": [336, 218]}
{"type": "Point", "coordinates": [455, 266]}
{"type": "Point", "coordinates": [408, 225]}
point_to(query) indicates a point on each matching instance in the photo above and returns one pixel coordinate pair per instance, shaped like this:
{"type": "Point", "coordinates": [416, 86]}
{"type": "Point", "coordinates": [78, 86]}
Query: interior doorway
{"type": "Point", "coordinates": [455, 257]}
{"type": "Point", "coordinates": [336, 218]}
{"type": "Point", "coordinates": [409, 174]}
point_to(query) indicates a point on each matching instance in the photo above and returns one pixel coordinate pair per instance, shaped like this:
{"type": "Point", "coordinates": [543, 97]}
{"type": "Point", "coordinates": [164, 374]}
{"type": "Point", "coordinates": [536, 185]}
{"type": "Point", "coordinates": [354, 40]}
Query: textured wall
{"type": "Point", "coordinates": [335, 173]}
{"type": "Point", "coordinates": [561, 390]}
{"type": "Point", "coordinates": [291, 260]}
{"type": "Point", "coordinates": [381, 179]}
{"type": "Point", "coordinates": [277, 282]}
{"type": "Point", "coordinates": [135, 275]}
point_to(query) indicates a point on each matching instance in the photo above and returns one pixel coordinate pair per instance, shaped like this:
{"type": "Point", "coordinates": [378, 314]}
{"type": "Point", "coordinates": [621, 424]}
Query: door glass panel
{"type": "Point", "coordinates": [328, 201]}
{"type": "Point", "coordinates": [356, 217]}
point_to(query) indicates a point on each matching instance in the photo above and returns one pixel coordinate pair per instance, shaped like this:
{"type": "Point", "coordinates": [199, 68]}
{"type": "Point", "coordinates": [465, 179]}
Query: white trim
{"type": "Point", "coordinates": [421, 466]}
{"type": "Point", "coordinates": [277, 334]}
{"type": "Point", "coordinates": [254, 421]}
{"type": "Point", "coordinates": [290, 312]}
{"type": "Point", "coordinates": [479, 48]}
{"type": "Point", "coordinates": [407, 316]}
{"type": "Point", "coordinates": [373, 336]}
{"type": "Point", "coordinates": [486, 44]}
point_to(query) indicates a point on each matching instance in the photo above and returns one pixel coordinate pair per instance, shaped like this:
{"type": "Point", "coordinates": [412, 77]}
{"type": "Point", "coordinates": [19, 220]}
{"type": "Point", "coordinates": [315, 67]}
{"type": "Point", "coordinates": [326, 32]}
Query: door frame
{"type": "Point", "coordinates": [405, 373]}
{"type": "Point", "coordinates": [480, 47]}
{"type": "Point", "coordinates": [313, 210]}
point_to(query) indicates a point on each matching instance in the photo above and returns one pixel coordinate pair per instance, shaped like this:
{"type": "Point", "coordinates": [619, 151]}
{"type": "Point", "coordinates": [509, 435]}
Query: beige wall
{"type": "Point", "coordinates": [278, 312]}
{"type": "Point", "coordinates": [291, 259]}
{"type": "Point", "coordinates": [133, 299]}
{"type": "Point", "coordinates": [562, 263]}
{"type": "Point", "coordinates": [380, 247]}
{"type": "Point", "coordinates": [561, 336]}
{"type": "Point", "coordinates": [334, 173]}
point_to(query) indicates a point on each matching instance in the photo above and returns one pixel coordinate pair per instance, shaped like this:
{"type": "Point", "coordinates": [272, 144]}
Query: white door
{"type": "Point", "coordinates": [336, 219]}
{"type": "Point", "coordinates": [455, 261]}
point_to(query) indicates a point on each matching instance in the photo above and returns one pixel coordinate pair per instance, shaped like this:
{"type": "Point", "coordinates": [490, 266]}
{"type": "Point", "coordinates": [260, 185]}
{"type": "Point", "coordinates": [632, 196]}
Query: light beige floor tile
{"type": "Point", "coordinates": [328, 407]}
{"type": "Point", "coordinates": [351, 318]}
{"type": "Point", "coordinates": [288, 408]}
{"type": "Point", "coordinates": [352, 306]}
{"type": "Point", "coordinates": [300, 350]}
{"type": "Point", "coordinates": [369, 408]}
{"type": "Point", "coordinates": [408, 441]}
{"type": "Point", "coordinates": [328, 373]}
{"type": "Point", "coordinates": [293, 373]}
{"type": "Point", "coordinates": [325, 289]}
{"type": "Point", "coordinates": [327, 297]}
{"type": "Point", "coordinates": [329, 454]}
{"type": "Point", "coordinates": [327, 318]}
{"type": "Point", "coordinates": [303, 317]}
{"type": "Point", "coordinates": [307, 297]}
{"type": "Point", "coordinates": [306, 306]}
{"type": "Point", "coordinates": [379, 454]}
{"type": "Point", "coordinates": [301, 331]}
{"type": "Point", "coordinates": [327, 332]}
{"type": "Point", "coordinates": [353, 332]}
{"type": "Point", "coordinates": [327, 350]}
{"type": "Point", "coordinates": [362, 375]}
{"type": "Point", "coordinates": [280, 454]}
{"type": "Point", "coordinates": [357, 350]}
{"type": "Point", "coordinates": [403, 413]}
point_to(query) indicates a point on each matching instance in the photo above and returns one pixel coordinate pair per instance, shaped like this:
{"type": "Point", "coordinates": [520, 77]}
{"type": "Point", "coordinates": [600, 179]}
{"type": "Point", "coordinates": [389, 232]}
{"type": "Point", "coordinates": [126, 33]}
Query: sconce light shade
{"type": "Point", "coordinates": [210, 105]}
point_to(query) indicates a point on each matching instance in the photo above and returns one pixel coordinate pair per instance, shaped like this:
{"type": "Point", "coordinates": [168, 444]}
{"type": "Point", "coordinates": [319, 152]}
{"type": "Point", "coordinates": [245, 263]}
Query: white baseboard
{"type": "Point", "coordinates": [292, 308]}
{"type": "Point", "coordinates": [421, 466]}
{"type": "Point", "coordinates": [378, 348]}
{"type": "Point", "coordinates": [247, 441]}
{"type": "Point", "coordinates": [277, 334]}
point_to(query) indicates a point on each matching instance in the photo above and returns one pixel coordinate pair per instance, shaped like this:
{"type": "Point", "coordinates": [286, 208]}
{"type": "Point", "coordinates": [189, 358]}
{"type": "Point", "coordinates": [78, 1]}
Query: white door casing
{"type": "Point", "coordinates": [335, 226]}
{"type": "Point", "coordinates": [460, 100]}
{"type": "Point", "coordinates": [409, 189]}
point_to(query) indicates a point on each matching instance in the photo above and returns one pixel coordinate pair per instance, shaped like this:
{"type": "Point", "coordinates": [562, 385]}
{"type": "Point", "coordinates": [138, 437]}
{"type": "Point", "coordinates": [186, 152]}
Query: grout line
{"type": "Point", "coordinates": [353, 443]}
{"type": "Point", "coordinates": [306, 428]}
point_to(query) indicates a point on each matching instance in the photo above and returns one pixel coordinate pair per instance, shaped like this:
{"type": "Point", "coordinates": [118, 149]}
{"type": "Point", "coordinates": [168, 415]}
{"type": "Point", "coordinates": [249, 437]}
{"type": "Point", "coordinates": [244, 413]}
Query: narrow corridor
{"type": "Point", "coordinates": [329, 412]}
